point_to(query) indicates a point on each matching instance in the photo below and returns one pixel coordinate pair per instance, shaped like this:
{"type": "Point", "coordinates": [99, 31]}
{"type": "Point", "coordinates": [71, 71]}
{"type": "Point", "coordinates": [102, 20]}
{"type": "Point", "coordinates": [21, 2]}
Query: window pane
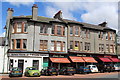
{"type": "Point", "coordinates": [53, 30]}
{"type": "Point", "coordinates": [24, 44]}
{"type": "Point", "coordinates": [76, 45]}
{"type": "Point", "coordinates": [71, 44]}
{"type": "Point", "coordinates": [45, 29]}
{"type": "Point", "coordinates": [41, 29]}
{"type": "Point", "coordinates": [71, 30]}
{"type": "Point", "coordinates": [58, 46]}
{"type": "Point", "coordinates": [107, 48]}
{"type": "Point", "coordinates": [52, 46]}
{"type": "Point", "coordinates": [63, 46]}
{"type": "Point", "coordinates": [76, 30]}
{"type": "Point", "coordinates": [45, 44]}
{"type": "Point", "coordinates": [36, 64]}
{"type": "Point", "coordinates": [17, 43]}
{"type": "Point", "coordinates": [41, 44]}
{"type": "Point", "coordinates": [63, 30]}
{"type": "Point", "coordinates": [59, 30]}
{"type": "Point", "coordinates": [19, 26]}
{"type": "Point", "coordinates": [25, 27]}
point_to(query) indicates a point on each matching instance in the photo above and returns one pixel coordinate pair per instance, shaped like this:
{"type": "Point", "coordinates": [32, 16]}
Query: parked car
{"type": "Point", "coordinates": [32, 71]}
{"type": "Point", "coordinates": [15, 71]}
{"type": "Point", "coordinates": [83, 69]}
{"type": "Point", "coordinates": [67, 70]}
{"type": "Point", "coordinates": [105, 67]}
{"type": "Point", "coordinates": [93, 68]}
{"type": "Point", "coordinates": [116, 67]}
{"type": "Point", "coordinates": [49, 71]}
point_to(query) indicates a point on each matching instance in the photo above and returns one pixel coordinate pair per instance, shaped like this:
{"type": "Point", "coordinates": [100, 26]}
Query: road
{"type": "Point", "coordinates": [91, 76]}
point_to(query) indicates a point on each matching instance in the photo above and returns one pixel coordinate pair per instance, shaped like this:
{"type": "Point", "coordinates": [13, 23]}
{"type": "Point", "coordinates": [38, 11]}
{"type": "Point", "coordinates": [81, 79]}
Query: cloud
{"type": "Point", "coordinates": [2, 34]}
{"type": "Point", "coordinates": [95, 12]}
{"type": "Point", "coordinates": [19, 2]}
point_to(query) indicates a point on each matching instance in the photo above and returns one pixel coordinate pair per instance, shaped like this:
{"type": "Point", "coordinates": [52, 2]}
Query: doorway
{"type": "Point", "coordinates": [21, 64]}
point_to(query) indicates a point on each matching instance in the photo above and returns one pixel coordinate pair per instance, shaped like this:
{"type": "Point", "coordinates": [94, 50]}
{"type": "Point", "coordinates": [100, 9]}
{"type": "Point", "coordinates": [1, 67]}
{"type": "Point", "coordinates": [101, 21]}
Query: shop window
{"type": "Point", "coordinates": [36, 64]}
{"type": "Point", "coordinates": [43, 44]}
{"type": "Point", "coordinates": [11, 64]}
{"type": "Point", "coordinates": [43, 29]}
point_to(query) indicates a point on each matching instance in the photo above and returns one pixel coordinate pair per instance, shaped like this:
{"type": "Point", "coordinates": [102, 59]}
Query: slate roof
{"type": "Point", "coordinates": [66, 21]}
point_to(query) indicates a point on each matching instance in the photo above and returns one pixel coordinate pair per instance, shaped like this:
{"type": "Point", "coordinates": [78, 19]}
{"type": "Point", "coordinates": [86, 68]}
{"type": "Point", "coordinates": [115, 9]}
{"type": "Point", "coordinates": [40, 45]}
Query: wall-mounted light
{"type": "Point", "coordinates": [15, 60]}
{"type": "Point", "coordinates": [25, 60]}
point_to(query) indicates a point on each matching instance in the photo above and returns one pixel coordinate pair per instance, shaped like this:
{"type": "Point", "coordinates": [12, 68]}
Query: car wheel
{"type": "Point", "coordinates": [21, 75]}
{"type": "Point", "coordinates": [10, 75]}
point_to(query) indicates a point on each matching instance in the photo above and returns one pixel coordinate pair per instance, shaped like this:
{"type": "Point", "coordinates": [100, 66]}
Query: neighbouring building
{"type": "Point", "coordinates": [41, 42]}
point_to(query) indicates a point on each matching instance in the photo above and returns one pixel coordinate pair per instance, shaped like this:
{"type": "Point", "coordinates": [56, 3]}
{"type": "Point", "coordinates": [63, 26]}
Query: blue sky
{"type": "Point", "coordinates": [90, 12]}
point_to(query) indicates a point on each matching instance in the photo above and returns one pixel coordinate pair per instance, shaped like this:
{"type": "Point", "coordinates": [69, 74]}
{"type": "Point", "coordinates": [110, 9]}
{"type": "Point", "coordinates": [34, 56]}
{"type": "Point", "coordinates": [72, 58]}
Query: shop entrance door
{"type": "Point", "coordinates": [21, 64]}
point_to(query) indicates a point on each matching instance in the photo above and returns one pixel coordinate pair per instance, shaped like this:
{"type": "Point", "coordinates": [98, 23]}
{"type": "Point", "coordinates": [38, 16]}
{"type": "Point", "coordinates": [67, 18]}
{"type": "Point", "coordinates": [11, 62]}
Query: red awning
{"type": "Point", "coordinates": [89, 59]}
{"type": "Point", "coordinates": [76, 59]}
{"type": "Point", "coordinates": [105, 59]}
{"type": "Point", "coordinates": [115, 59]}
{"type": "Point", "coordinates": [59, 60]}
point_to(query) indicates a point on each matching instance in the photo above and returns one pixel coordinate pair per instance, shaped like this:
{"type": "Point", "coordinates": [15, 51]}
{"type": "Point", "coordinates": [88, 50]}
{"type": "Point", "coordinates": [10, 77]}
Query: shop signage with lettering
{"type": "Point", "coordinates": [28, 54]}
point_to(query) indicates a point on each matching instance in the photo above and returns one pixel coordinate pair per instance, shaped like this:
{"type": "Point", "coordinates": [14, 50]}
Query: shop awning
{"type": "Point", "coordinates": [105, 59]}
{"type": "Point", "coordinates": [76, 59]}
{"type": "Point", "coordinates": [89, 59]}
{"type": "Point", "coordinates": [115, 59]}
{"type": "Point", "coordinates": [59, 60]}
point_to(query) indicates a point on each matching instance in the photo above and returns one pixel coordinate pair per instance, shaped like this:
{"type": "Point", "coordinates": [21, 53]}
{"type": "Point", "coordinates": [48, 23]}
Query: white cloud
{"type": "Point", "coordinates": [19, 2]}
{"type": "Point", "coordinates": [2, 34]}
{"type": "Point", "coordinates": [96, 12]}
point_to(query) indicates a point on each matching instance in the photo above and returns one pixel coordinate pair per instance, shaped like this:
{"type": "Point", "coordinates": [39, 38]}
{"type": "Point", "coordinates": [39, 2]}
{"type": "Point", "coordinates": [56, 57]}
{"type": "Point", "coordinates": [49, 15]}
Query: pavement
{"type": "Point", "coordinates": [91, 76]}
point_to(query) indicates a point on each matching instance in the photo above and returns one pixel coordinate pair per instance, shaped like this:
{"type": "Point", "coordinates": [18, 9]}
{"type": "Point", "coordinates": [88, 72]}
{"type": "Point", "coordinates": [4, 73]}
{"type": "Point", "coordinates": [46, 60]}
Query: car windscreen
{"type": "Point", "coordinates": [16, 69]}
{"type": "Point", "coordinates": [32, 69]}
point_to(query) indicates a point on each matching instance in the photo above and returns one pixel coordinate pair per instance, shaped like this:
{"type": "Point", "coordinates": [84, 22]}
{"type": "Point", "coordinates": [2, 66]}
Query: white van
{"type": "Point", "coordinates": [93, 68]}
{"type": "Point", "coordinates": [117, 67]}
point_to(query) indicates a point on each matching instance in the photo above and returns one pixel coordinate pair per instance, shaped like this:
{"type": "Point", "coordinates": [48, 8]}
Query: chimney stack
{"type": "Point", "coordinates": [34, 12]}
{"type": "Point", "coordinates": [103, 24]}
{"type": "Point", "coordinates": [58, 15]}
{"type": "Point", "coordinates": [9, 13]}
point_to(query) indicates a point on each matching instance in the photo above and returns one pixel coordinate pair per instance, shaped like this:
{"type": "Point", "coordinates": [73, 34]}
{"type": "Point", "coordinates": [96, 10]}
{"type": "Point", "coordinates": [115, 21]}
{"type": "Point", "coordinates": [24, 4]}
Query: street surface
{"type": "Point", "coordinates": [91, 76]}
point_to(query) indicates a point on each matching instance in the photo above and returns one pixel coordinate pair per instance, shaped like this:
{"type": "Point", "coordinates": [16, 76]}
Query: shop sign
{"type": "Point", "coordinates": [81, 55]}
{"type": "Point", "coordinates": [58, 56]}
{"type": "Point", "coordinates": [27, 54]}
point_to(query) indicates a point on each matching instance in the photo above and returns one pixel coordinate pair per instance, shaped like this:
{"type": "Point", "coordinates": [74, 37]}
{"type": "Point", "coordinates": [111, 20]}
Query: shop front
{"type": "Point", "coordinates": [23, 60]}
{"type": "Point", "coordinates": [59, 61]}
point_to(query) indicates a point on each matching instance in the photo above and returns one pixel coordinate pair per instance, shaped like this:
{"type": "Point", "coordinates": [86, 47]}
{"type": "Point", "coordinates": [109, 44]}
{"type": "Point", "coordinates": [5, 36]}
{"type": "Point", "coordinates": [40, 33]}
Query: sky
{"type": "Point", "coordinates": [88, 11]}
